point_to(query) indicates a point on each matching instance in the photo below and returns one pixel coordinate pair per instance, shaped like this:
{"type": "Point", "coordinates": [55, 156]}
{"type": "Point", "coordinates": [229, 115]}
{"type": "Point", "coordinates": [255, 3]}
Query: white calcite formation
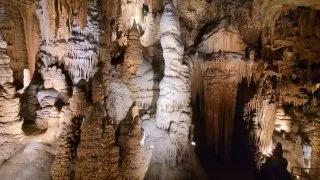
{"type": "Point", "coordinates": [173, 106]}
{"type": "Point", "coordinates": [81, 75]}
{"type": "Point", "coordinates": [118, 101]}
{"type": "Point", "coordinates": [54, 78]}
{"type": "Point", "coordinates": [79, 38]}
{"type": "Point", "coordinates": [83, 53]}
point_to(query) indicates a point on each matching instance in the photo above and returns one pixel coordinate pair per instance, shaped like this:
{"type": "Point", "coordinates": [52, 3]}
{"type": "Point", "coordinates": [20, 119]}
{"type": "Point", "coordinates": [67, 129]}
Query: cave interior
{"type": "Point", "coordinates": [159, 89]}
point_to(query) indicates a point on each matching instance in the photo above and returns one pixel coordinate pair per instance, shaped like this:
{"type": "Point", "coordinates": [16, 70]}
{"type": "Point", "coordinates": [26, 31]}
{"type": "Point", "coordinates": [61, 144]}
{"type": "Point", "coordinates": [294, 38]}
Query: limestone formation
{"type": "Point", "coordinates": [158, 89]}
{"type": "Point", "coordinates": [135, 157]}
{"type": "Point", "coordinates": [97, 153]}
{"type": "Point", "coordinates": [138, 73]}
{"type": "Point", "coordinates": [63, 162]}
{"type": "Point", "coordinates": [118, 101]}
{"type": "Point", "coordinates": [10, 129]}
{"type": "Point", "coordinates": [173, 106]}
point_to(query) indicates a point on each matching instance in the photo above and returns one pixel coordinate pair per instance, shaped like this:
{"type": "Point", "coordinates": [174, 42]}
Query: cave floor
{"type": "Point", "coordinates": [32, 161]}
{"type": "Point", "coordinates": [230, 172]}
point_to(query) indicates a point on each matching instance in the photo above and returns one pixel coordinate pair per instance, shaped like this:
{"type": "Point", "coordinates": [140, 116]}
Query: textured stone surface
{"type": "Point", "coordinates": [82, 71]}
{"type": "Point", "coordinates": [118, 101]}
{"type": "Point", "coordinates": [135, 157]}
{"type": "Point", "coordinates": [63, 160]}
{"type": "Point", "coordinates": [173, 106]}
{"type": "Point", "coordinates": [97, 153]}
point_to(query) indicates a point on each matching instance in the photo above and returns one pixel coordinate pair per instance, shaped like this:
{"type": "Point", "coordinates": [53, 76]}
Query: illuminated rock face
{"type": "Point", "coordinates": [173, 106]}
{"type": "Point", "coordinates": [139, 89]}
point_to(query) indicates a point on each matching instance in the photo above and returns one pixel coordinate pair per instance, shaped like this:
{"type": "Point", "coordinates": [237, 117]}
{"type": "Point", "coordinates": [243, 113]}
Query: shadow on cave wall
{"type": "Point", "coordinates": [241, 150]}
{"type": "Point", "coordinates": [241, 162]}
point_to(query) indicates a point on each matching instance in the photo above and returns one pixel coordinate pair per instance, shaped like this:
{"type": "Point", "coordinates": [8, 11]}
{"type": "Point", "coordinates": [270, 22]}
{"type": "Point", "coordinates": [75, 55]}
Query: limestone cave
{"type": "Point", "coordinates": [159, 89]}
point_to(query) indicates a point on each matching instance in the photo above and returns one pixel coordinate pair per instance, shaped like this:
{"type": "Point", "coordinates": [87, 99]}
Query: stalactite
{"type": "Point", "coordinates": [262, 108]}
{"type": "Point", "coordinates": [215, 83]}
{"type": "Point", "coordinates": [31, 30]}
{"type": "Point", "coordinates": [267, 116]}
{"type": "Point", "coordinates": [47, 19]}
{"type": "Point", "coordinates": [223, 40]}
{"type": "Point", "coordinates": [82, 54]}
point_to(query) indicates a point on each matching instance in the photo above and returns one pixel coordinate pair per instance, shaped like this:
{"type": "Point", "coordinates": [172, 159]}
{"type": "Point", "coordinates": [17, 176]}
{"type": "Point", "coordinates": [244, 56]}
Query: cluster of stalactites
{"type": "Point", "coordinates": [56, 17]}
{"type": "Point", "coordinates": [232, 64]}
{"type": "Point", "coordinates": [261, 111]}
{"type": "Point", "coordinates": [215, 82]}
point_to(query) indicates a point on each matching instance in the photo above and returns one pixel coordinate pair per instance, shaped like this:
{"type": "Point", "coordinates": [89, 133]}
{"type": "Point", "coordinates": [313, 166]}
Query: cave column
{"type": "Point", "coordinates": [173, 106]}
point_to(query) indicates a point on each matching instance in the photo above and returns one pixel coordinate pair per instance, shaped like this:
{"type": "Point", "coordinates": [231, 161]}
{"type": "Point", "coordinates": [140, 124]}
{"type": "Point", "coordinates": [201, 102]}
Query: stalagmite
{"type": "Point", "coordinates": [97, 153]}
{"type": "Point", "coordinates": [135, 156]}
{"type": "Point", "coordinates": [156, 89]}
{"type": "Point", "coordinates": [10, 125]}
{"type": "Point", "coordinates": [62, 165]}
{"type": "Point", "coordinates": [137, 73]}
{"type": "Point", "coordinates": [78, 102]}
